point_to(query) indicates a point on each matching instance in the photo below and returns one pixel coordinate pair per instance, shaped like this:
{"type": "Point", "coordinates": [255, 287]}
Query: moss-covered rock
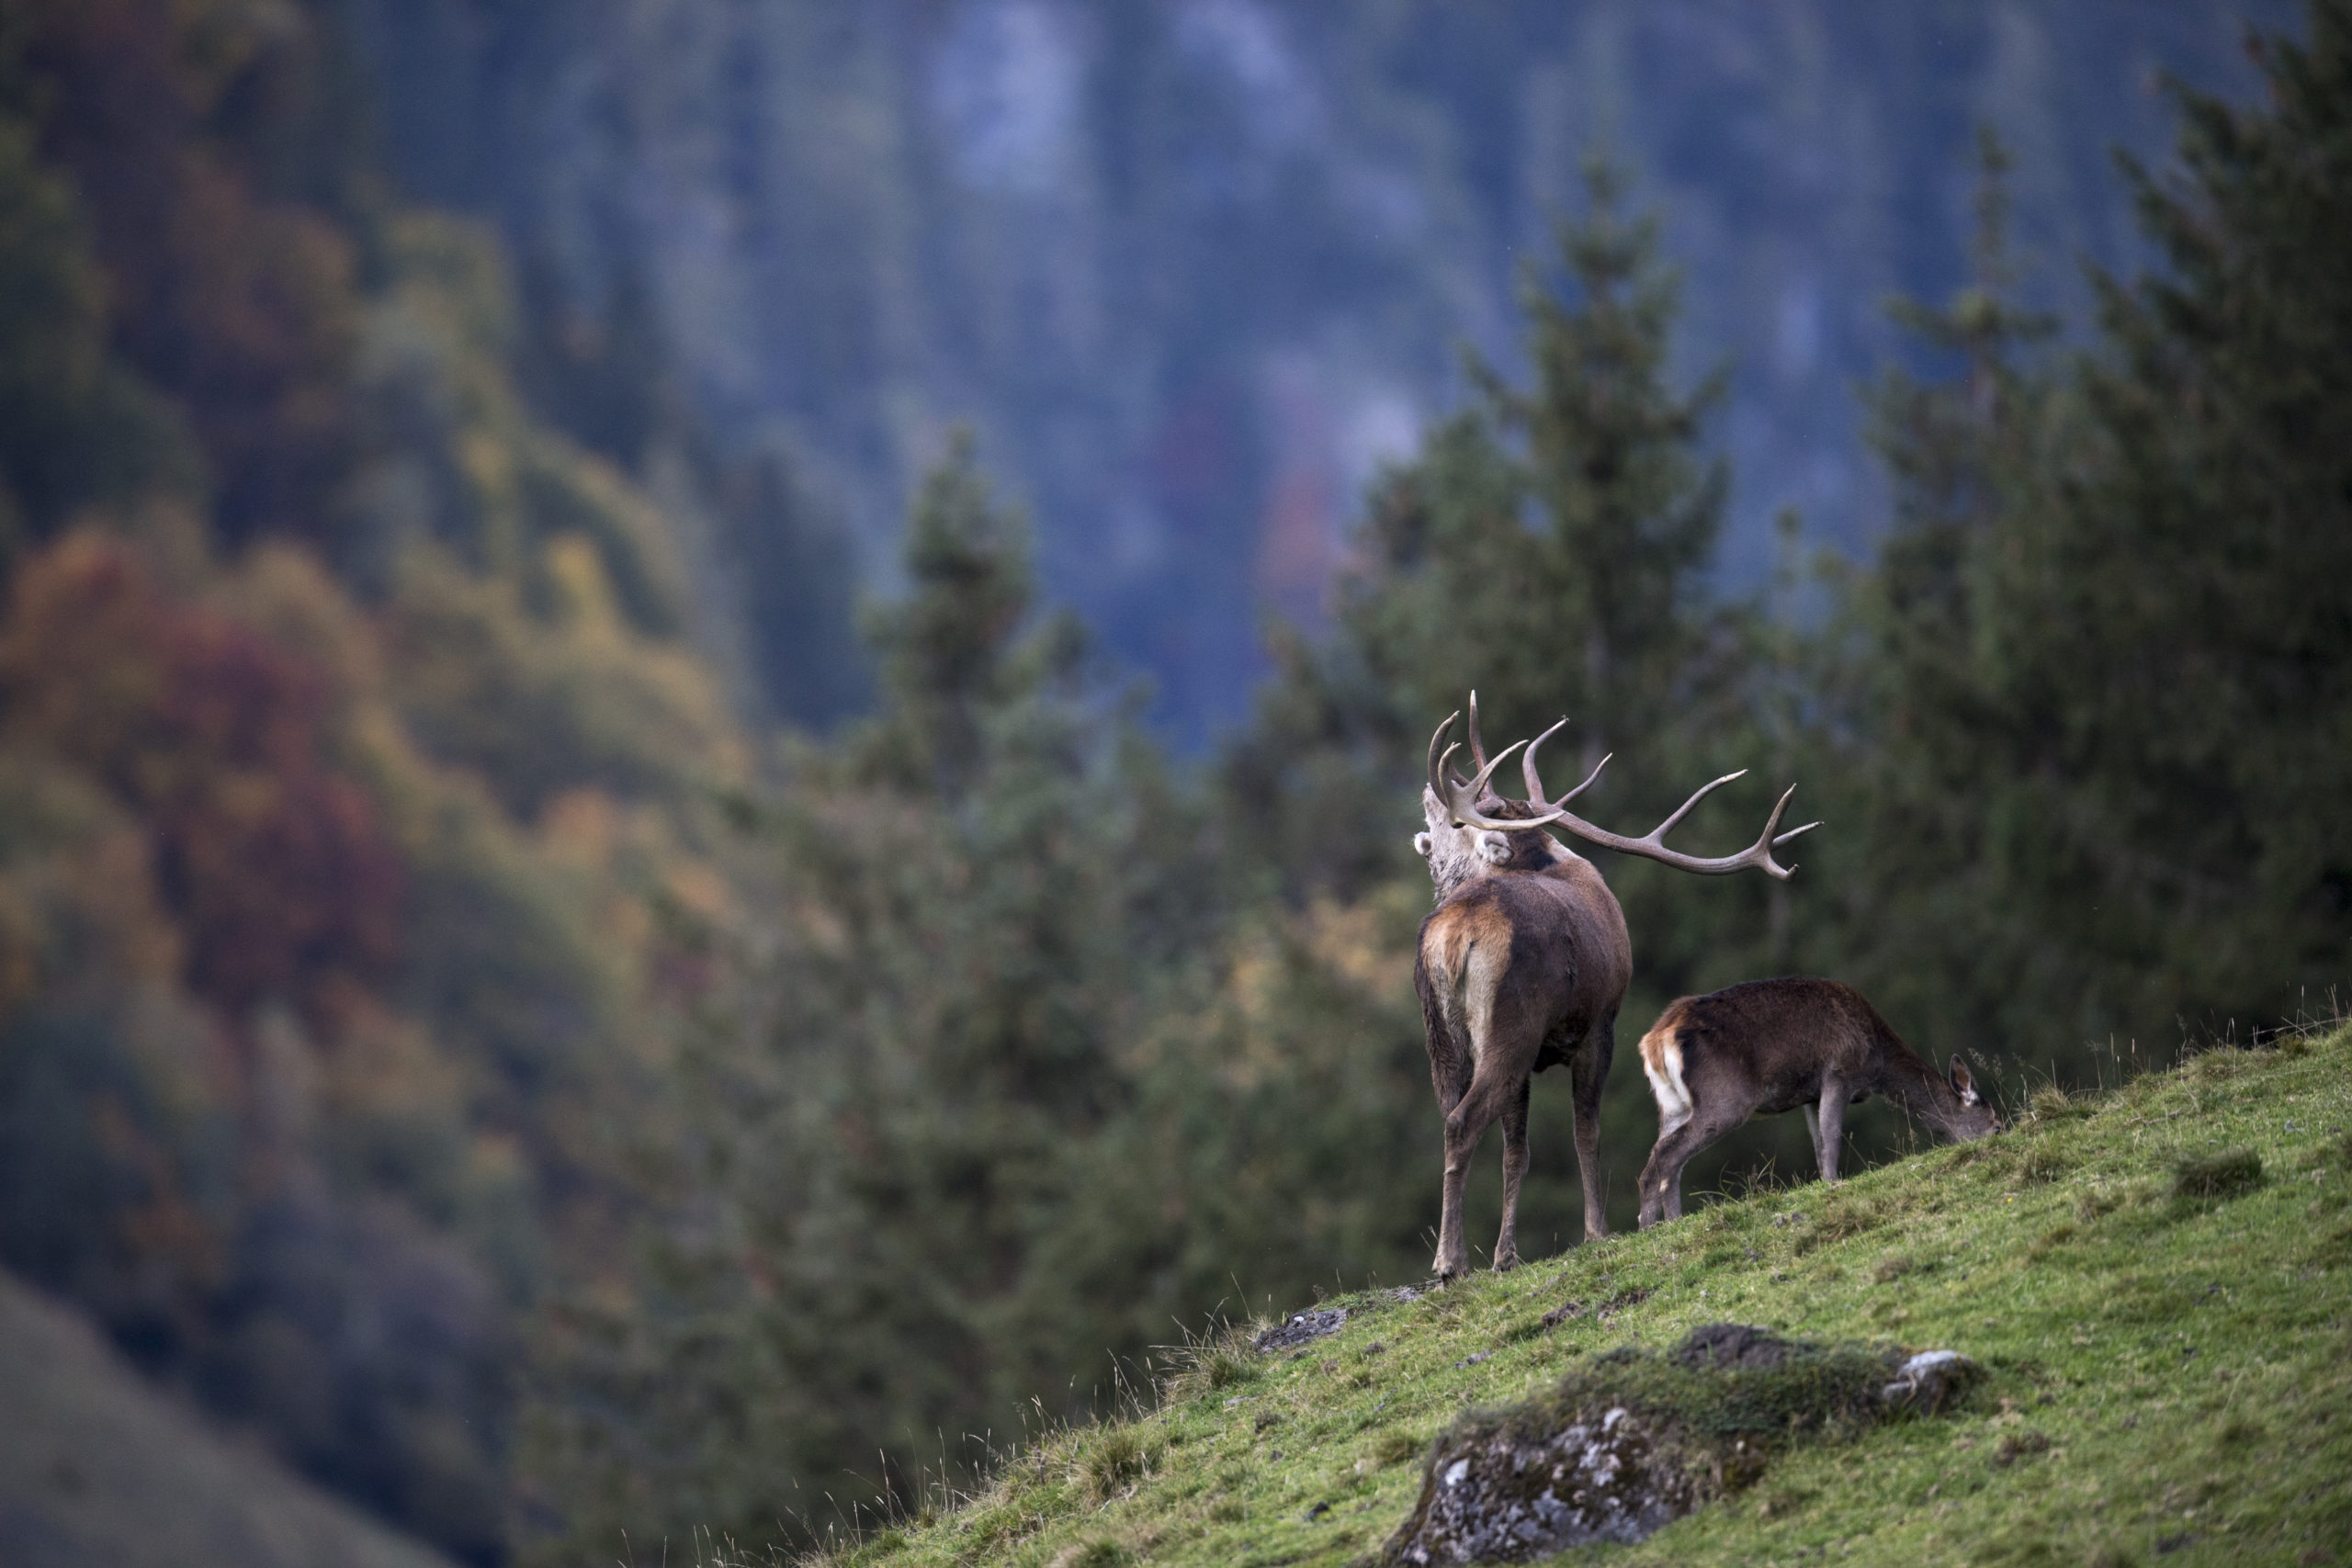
{"type": "Point", "coordinates": [1631, 1441]}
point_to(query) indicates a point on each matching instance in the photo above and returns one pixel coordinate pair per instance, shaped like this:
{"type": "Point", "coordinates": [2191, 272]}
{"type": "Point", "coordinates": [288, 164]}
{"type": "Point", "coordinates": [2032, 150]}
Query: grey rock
{"type": "Point", "coordinates": [1929, 1382]}
{"type": "Point", "coordinates": [1501, 1500]}
{"type": "Point", "coordinates": [1300, 1328]}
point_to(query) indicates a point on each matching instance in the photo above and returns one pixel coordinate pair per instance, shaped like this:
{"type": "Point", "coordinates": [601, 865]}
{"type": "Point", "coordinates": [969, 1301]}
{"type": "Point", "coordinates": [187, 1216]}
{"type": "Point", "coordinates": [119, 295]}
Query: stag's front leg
{"type": "Point", "coordinates": [1592, 1070]}
{"type": "Point", "coordinates": [1514, 1169]}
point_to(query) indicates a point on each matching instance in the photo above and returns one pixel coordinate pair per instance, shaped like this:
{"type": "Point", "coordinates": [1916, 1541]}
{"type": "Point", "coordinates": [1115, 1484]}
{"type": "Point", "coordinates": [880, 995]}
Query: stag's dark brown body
{"type": "Point", "coordinates": [1766, 1046]}
{"type": "Point", "coordinates": [1520, 967]}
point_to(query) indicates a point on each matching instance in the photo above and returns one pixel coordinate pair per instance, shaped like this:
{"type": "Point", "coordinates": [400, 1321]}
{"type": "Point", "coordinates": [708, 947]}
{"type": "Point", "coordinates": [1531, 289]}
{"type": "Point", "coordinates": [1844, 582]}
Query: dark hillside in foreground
{"type": "Point", "coordinates": [98, 1468]}
{"type": "Point", "coordinates": [2169, 1360]}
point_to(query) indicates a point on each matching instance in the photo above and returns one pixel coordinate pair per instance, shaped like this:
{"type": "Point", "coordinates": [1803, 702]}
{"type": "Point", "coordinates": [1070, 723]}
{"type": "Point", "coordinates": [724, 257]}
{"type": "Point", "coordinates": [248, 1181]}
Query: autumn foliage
{"type": "Point", "coordinates": [269, 859]}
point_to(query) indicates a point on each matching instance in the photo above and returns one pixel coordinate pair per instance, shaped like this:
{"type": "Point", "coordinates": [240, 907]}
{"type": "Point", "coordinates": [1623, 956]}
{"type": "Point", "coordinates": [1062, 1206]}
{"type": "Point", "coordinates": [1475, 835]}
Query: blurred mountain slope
{"type": "Point", "coordinates": [1194, 268]}
{"type": "Point", "coordinates": [96, 1467]}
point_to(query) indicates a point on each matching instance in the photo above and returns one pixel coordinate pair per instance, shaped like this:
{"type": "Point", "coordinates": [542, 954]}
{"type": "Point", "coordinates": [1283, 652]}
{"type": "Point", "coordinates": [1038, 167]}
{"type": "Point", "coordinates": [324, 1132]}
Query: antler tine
{"type": "Point", "coordinates": [1486, 769]}
{"type": "Point", "coordinates": [1477, 746]}
{"type": "Point", "coordinates": [1663, 828]}
{"type": "Point", "coordinates": [1437, 765]}
{"type": "Point", "coordinates": [1527, 764]}
{"type": "Point", "coordinates": [1792, 834]}
{"type": "Point", "coordinates": [1535, 781]}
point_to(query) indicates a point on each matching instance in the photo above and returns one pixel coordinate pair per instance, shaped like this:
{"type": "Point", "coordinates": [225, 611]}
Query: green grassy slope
{"type": "Point", "coordinates": [96, 1468]}
{"type": "Point", "coordinates": [2169, 1375]}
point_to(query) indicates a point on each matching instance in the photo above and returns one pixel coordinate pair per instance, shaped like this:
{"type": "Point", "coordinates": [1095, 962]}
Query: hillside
{"type": "Point", "coordinates": [96, 1467]}
{"type": "Point", "coordinates": [2167, 1375]}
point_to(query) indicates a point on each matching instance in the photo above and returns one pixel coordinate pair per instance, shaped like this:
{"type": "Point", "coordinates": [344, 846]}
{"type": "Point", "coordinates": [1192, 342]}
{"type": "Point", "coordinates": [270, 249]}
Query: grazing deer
{"type": "Point", "coordinates": [1773, 1046]}
{"type": "Point", "coordinates": [1524, 963]}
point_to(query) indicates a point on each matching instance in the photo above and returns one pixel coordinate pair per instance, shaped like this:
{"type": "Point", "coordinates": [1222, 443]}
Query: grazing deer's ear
{"type": "Point", "coordinates": [1495, 848]}
{"type": "Point", "coordinates": [1422, 845]}
{"type": "Point", "coordinates": [1962, 1081]}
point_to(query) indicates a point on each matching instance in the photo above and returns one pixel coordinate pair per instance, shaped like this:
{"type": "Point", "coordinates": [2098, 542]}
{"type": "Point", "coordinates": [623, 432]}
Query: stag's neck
{"type": "Point", "coordinates": [1530, 852]}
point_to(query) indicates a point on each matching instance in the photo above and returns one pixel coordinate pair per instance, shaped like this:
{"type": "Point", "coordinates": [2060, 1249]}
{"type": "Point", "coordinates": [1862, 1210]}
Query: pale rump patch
{"type": "Point", "coordinates": [1468, 953]}
{"type": "Point", "coordinates": [1662, 1064]}
{"type": "Point", "coordinates": [1480, 978]}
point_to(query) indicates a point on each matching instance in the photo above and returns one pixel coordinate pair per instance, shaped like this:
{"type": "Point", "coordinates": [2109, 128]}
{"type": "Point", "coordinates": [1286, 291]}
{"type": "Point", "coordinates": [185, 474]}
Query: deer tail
{"type": "Point", "coordinates": [1662, 1064]}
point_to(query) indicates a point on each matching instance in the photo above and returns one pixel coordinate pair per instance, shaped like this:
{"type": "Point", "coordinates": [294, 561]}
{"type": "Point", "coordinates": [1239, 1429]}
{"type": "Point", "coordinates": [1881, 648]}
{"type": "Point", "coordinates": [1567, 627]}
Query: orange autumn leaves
{"type": "Point", "coordinates": [271, 861]}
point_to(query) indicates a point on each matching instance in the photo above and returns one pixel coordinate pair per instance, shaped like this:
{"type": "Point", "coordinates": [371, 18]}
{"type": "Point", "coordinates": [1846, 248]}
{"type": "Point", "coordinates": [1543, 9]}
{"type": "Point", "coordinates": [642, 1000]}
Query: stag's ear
{"type": "Point", "coordinates": [1962, 1083]}
{"type": "Point", "coordinates": [1422, 845]}
{"type": "Point", "coordinates": [1495, 848]}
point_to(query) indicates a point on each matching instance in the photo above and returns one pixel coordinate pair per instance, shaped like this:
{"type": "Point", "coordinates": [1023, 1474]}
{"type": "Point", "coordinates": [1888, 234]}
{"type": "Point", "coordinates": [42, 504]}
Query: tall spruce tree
{"type": "Point", "coordinates": [1920, 757]}
{"type": "Point", "coordinates": [1545, 547]}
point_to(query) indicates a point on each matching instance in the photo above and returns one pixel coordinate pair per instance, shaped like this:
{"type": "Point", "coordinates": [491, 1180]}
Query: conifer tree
{"type": "Point", "coordinates": [897, 1221]}
{"type": "Point", "coordinates": [1544, 548]}
{"type": "Point", "coordinates": [1920, 758]}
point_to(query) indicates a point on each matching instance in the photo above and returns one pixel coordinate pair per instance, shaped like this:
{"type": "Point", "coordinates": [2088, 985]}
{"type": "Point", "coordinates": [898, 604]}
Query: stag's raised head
{"type": "Point", "coordinates": [1471, 830]}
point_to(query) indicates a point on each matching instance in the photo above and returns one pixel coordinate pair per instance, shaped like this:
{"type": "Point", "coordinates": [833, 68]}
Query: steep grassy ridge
{"type": "Point", "coordinates": [2168, 1336]}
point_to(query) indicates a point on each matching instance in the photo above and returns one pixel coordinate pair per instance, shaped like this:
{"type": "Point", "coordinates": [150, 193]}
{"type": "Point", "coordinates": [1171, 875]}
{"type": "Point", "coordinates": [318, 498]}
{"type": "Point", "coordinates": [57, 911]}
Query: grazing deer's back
{"type": "Point", "coordinates": [1777, 1035]}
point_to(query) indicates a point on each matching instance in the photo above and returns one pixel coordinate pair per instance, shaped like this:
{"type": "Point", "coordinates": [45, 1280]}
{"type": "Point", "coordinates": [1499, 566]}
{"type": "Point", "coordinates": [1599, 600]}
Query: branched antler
{"type": "Point", "coordinates": [1461, 795]}
{"type": "Point", "coordinates": [1651, 845]}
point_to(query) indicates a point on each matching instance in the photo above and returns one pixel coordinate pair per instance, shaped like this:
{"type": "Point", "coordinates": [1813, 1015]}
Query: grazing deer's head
{"type": "Point", "coordinates": [1974, 1118]}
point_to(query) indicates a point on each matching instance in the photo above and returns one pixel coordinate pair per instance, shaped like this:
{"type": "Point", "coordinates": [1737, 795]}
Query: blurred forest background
{"type": "Point", "coordinates": [710, 713]}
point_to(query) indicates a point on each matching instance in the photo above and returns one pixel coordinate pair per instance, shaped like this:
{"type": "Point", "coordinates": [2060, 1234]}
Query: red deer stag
{"type": "Point", "coordinates": [1523, 964]}
{"type": "Point", "coordinates": [1773, 1046]}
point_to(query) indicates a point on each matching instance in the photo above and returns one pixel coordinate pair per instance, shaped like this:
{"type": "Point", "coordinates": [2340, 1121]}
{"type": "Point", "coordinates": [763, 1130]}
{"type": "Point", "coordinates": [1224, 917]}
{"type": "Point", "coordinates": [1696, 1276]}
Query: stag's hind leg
{"type": "Point", "coordinates": [1591, 1069]}
{"type": "Point", "coordinates": [1488, 1099]}
{"type": "Point", "coordinates": [1514, 1169]}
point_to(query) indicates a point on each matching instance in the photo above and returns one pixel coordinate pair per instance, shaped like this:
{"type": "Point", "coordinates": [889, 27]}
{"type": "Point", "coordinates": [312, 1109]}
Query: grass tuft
{"type": "Point", "coordinates": [2216, 1177]}
{"type": "Point", "coordinates": [2041, 1166]}
{"type": "Point", "coordinates": [1115, 1455]}
{"type": "Point", "coordinates": [2052, 1105]}
{"type": "Point", "coordinates": [1220, 1360]}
